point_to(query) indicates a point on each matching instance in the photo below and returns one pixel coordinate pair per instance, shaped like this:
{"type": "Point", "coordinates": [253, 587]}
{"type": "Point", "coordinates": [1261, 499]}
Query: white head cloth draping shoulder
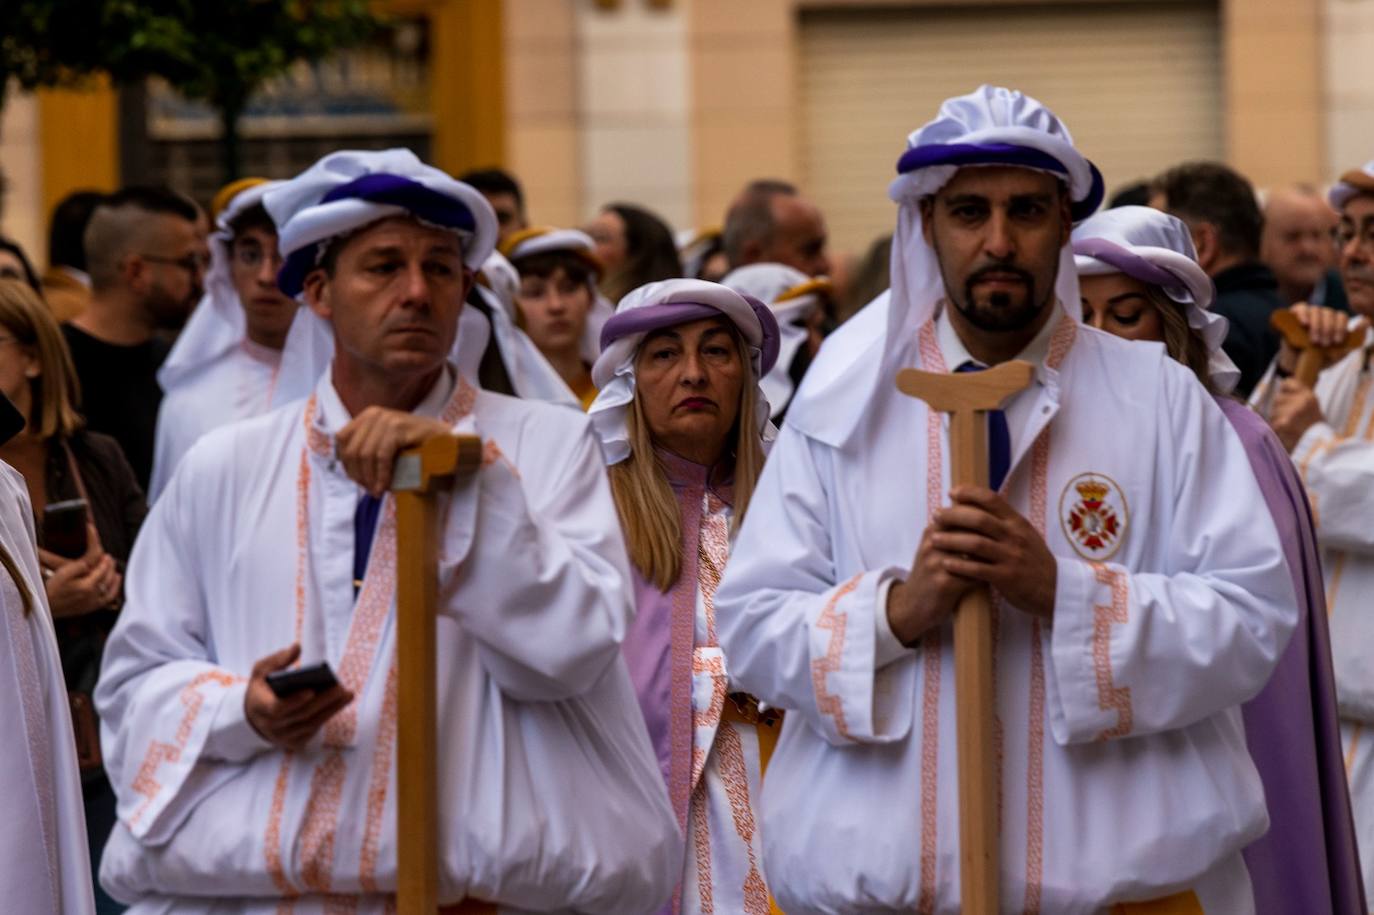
{"type": "Point", "coordinates": [217, 325]}
{"type": "Point", "coordinates": [793, 296]}
{"type": "Point", "coordinates": [1156, 248]}
{"type": "Point", "coordinates": [347, 191]}
{"type": "Point", "coordinates": [989, 126]}
{"type": "Point", "coordinates": [1351, 184]}
{"type": "Point", "coordinates": [655, 306]}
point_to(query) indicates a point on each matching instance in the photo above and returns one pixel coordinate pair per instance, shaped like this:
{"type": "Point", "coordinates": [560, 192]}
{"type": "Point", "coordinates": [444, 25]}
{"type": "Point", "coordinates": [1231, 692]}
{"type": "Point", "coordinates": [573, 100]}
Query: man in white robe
{"type": "Point", "coordinates": [1141, 590]}
{"type": "Point", "coordinates": [257, 555]}
{"type": "Point", "coordinates": [45, 867]}
{"type": "Point", "coordinates": [1329, 431]}
{"type": "Point", "coordinates": [226, 362]}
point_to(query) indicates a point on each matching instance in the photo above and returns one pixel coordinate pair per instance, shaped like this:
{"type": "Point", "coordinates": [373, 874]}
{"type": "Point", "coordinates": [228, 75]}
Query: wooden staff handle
{"type": "Point", "coordinates": [1311, 359]}
{"type": "Point", "coordinates": [418, 475]}
{"type": "Point", "coordinates": [968, 397]}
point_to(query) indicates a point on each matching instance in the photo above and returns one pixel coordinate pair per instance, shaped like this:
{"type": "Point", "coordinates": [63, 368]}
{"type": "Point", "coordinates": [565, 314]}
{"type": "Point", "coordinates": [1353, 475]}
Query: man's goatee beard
{"type": "Point", "coordinates": [999, 315]}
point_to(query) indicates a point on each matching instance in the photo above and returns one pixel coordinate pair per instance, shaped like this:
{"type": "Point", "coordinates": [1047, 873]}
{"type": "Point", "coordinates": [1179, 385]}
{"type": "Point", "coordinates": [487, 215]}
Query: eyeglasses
{"type": "Point", "coordinates": [191, 263]}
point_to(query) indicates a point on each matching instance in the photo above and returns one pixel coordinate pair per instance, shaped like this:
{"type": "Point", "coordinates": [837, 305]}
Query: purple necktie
{"type": "Point", "coordinates": [999, 438]}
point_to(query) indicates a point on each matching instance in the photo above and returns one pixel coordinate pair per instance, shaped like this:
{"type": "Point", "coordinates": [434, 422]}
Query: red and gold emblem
{"type": "Point", "coordinates": [1093, 512]}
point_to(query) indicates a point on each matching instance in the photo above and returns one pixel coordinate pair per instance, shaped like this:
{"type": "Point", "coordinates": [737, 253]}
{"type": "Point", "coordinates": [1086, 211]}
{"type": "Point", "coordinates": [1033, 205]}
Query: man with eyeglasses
{"type": "Point", "coordinates": [225, 365]}
{"type": "Point", "coordinates": [1330, 432]}
{"type": "Point", "coordinates": [147, 270]}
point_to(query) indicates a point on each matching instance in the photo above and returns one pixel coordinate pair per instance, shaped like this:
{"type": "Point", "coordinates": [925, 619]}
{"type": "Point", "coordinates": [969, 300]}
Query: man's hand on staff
{"type": "Point", "coordinates": [288, 723]}
{"type": "Point", "coordinates": [1325, 327]}
{"type": "Point", "coordinates": [1295, 410]}
{"type": "Point", "coordinates": [928, 596]}
{"type": "Point", "coordinates": [368, 445]}
{"type": "Point", "coordinates": [982, 538]}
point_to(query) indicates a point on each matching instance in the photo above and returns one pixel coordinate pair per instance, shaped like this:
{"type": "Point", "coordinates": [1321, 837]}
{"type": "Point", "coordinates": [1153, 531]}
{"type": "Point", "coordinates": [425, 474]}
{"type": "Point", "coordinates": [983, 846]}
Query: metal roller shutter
{"type": "Point", "coordinates": [1139, 85]}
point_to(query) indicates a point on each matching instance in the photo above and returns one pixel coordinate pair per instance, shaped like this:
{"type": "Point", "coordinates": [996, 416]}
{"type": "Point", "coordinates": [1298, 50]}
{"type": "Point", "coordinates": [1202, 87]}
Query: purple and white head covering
{"type": "Point", "coordinates": [217, 325]}
{"type": "Point", "coordinates": [349, 190]}
{"type": "Point", "coordinates": [793, 297]}
{"type": "Point", "coordinates": [990, 126]}
{"type": "Point", "coordinates": [1351, 184]}
{"type": "Point", "coordinates": [1156, 248]}
{"type": "Point", "coordinates": [656, 306]}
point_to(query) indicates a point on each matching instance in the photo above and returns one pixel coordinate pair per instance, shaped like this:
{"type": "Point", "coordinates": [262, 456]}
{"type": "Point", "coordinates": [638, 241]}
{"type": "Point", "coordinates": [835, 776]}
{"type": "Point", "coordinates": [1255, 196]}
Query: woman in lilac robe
{"type": "Point", "coordinates": [683, 425]}
{"type": "Point", "coordinates": [1140, 280]}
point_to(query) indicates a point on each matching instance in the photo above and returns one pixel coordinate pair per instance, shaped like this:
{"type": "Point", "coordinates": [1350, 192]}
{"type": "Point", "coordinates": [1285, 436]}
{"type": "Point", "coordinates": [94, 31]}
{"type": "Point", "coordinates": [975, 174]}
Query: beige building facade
{"type": "Point", "coordinates": [675, 104]}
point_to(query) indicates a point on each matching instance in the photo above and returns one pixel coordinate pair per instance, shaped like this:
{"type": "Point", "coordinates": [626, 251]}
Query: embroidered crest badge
{"type": "Point", "coordinates": [1093, 511]}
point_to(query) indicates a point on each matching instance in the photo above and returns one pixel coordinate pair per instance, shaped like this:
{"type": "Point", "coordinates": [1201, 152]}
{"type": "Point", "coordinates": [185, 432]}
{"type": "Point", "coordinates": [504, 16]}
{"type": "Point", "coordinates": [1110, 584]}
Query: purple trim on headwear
{"type": "Point", "coordinates": [1127, 261]}
{"type": "Point", "coordinates": [670, 314]}
{"type": "Point", "coordinates": [956, 154]}
{"type": "Point", "coordinates": [427, 204]}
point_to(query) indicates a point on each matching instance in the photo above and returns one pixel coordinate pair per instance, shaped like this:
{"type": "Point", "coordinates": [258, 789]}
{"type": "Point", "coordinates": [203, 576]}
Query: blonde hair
{"type": "Point", "coordinates": [1183, 344]}
{"type": "Point", "coordinates": [649, 513]}
{"type": "Point", "coordinates": [56, 389]}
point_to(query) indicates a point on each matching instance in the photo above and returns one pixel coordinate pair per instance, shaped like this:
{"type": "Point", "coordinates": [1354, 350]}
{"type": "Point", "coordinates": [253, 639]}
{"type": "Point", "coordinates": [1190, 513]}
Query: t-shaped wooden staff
{"type": "Point", "coordinates": [1311, 359]}
{"type": "Point", "coordinates": [968, 397]}
{"type": "Point", "coordinates": [417, 477]}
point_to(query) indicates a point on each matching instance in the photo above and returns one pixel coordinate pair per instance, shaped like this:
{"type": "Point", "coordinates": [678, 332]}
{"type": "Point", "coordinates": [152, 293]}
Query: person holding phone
{"type": "Point", "coordinates": [87, 507]}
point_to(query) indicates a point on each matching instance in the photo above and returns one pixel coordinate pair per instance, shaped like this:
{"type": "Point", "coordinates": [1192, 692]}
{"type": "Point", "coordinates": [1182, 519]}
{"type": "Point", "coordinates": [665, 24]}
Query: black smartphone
{"type": "Point", "coordinates": [64, 528]}
{"type": "Point", "coordinates": [318, 677]}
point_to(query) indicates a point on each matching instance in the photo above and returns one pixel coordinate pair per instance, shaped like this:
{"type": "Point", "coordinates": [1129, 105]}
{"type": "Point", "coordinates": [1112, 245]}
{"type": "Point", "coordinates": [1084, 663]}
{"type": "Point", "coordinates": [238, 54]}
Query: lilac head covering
{"type": "Point", "coordinates": [1156, 248]}
{"type": "Point", "coordinates": [666, 304]}
{"type": "Point", "coordinates": [348, 190]}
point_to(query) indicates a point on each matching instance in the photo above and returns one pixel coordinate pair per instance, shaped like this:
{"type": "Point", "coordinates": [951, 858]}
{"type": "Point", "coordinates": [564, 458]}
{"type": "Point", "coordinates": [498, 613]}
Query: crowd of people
{"type": "Point", "coordinates": [694, 636]}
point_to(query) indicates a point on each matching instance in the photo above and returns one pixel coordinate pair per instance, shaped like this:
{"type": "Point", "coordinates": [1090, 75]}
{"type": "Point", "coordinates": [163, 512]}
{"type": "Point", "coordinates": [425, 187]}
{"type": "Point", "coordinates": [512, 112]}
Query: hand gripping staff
{"type": "Point", "coordinates": [968, 397]}
{"type": "Point", "coordinates": [420, 473]}
{"type": "Point", "coordinates": [1311, 359]}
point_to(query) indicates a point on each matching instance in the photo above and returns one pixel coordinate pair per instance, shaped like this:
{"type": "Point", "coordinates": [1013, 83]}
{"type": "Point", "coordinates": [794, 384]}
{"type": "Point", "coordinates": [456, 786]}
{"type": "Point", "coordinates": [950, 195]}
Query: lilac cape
{"type": "Point", "coordinates": [658, 646]}
{"type": "Point", "coordinates": [1307, 861]}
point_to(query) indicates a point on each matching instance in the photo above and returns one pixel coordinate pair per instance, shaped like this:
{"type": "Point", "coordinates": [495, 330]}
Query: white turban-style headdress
{"type": "Point", "coordinates": [793, 296]}
{"type": "Point", "coordinates": [667, 304]}
{"type": "Point", "coordinates": [1156, 248]}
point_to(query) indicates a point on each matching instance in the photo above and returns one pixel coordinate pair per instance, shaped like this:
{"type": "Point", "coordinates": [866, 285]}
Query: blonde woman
{"type": "Point", "coordinates": [61, 462]}
{"type": "Point", "coordinates": [684, 426]}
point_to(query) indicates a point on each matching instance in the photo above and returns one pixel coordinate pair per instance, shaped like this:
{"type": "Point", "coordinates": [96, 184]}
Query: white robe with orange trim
{"type": "Point", "coordinates": [724, 866]}
{"type": "Point", "coordinates": [550, 798]}
{"type": "Point", "coordinates": [239, 384]}
{"type": "Point", "coordinates": [1335, 459]}
{"type": "Point", "coordinates": [45, 868]}
{"type": "Point", "coordinates": [1125, 774]}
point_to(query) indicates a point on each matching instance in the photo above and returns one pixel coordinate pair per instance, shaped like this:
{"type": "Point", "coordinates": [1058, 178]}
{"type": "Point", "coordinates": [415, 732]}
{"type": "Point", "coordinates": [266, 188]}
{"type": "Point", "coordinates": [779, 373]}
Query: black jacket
{"type": "Point", "coordinates": [1247, 295]}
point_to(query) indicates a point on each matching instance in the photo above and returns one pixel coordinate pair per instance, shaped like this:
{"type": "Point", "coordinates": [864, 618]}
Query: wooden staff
{"type": "Point", "coordinates": [1311, 359]}
{"type": "Point", "coordinates": [967, 397]}
{"type": "Point", "coordinates": [419, 474]}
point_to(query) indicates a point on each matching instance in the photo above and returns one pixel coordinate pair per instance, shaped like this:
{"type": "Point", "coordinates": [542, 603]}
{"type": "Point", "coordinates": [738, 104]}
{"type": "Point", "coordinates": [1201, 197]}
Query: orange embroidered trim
{"type": "Point", "coordinates": [713, 548]}
{"type": "Point", "coordinates": [1350, 751]}
{"type": "Point", "coordinates": [271, 840]}
{"type": "Point", "coordinates": [933, 361]}
{"type": "Point", "coordinates": [1035, 715]}
{"type": "Point", "coordinates": [321, 817]}
{"type": "Point", "coordinates": [380, 784]}
{"type": "Point", "coordinates": [701, 840]}
{"type": "Point", "coordinates": [826, 702]}
{"type": "Point", "coordinates": [715, 666]}
{"type": "Point", "coordinates": [145, 782]}
{"type": "Point", "coordinates": [734, 776]}
{"type": "Point", "coordinates": [1109, 696]}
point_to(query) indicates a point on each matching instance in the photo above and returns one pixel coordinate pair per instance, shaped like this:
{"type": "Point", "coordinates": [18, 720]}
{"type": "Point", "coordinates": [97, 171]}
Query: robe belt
{"type": "Point", "coordinates": [1184, 903]}
{"type": "Point", "coordinates": [742, 708]}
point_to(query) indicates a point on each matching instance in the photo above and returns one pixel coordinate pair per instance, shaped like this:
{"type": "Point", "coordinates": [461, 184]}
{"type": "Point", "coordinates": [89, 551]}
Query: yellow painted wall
{"type": "Point", "coordinates": [467, 92]}
{"type": "Point", "coordinates": [78, 133]}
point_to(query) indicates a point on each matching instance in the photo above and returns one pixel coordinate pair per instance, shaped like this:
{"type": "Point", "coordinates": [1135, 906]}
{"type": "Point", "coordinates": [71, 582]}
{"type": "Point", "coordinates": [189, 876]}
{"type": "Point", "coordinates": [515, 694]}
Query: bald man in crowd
{"type": "Point", "coordinates": [1299, 245]}
{"type": "Point", "coordinates": [147, 268]}
{"type": "Point", "coordinates": [771, 222]}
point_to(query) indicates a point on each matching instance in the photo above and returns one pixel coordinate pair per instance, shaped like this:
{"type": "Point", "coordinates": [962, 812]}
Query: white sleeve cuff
{"type": "Point", "coordinates": [231, 737]}
{"type": "Point", "coordinates": [886, 647]}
